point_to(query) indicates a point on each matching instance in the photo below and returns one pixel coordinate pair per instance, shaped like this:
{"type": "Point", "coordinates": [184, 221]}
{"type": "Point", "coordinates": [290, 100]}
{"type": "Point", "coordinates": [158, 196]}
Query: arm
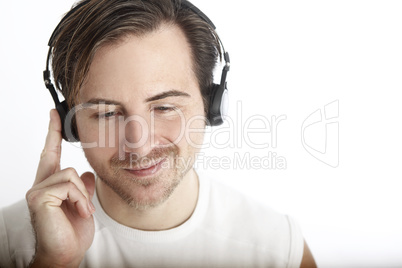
{"type": "Point", "coordinates": [308, 259]}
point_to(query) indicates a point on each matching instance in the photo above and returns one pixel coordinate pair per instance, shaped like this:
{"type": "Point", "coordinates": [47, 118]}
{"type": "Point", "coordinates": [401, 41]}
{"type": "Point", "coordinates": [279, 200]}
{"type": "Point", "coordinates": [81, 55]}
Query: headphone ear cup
{"type": "Point", "coordinates": [69, 132]}
{"type": "Point", "coordinates": [218, 105]}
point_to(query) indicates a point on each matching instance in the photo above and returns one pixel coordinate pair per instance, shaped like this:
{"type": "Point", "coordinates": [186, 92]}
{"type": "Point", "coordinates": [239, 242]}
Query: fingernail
{"type": "Point", "coordinates": [91, 206]}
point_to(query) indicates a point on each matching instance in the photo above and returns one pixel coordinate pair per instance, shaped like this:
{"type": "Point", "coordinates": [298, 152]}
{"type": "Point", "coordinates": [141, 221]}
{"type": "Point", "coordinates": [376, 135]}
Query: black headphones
{"type": "Point", "coordinates": [218, 101]}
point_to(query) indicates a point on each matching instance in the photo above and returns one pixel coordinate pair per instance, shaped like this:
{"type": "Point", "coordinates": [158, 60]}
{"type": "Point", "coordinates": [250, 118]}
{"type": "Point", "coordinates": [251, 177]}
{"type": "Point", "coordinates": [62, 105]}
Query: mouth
{"type": "Point", "coordinates": [143, 171]}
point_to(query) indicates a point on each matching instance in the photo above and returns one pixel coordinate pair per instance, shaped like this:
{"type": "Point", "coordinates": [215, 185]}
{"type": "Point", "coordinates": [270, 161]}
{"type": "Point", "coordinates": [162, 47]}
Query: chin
{"type": "Point", "coordinates": [142, 192]}
{"type": "Point", "coordinates": [137, 185]}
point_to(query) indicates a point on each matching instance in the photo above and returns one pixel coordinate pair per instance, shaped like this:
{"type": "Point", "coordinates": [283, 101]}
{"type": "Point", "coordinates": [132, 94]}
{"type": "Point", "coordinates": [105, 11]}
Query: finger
{"type": "Point", "coordinates": [52, 197]}
{"type": "Point", "coordinates": [50, 158]}
{"type": "Point", "coordinates": [65, 175]}
{"type": "Point", "coordinates": [79, 201]}
{"type": "Point", "coordinates": [88, 178]}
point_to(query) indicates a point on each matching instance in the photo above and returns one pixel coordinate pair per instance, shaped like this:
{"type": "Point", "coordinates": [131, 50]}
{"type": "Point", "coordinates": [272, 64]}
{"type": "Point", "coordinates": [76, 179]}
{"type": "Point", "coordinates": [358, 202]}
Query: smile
{"type": "Point", "coordinates": [147, 170]}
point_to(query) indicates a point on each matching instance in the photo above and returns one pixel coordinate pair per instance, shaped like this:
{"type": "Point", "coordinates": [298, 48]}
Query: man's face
{"type": "Point", "coordinates": [142, 103]}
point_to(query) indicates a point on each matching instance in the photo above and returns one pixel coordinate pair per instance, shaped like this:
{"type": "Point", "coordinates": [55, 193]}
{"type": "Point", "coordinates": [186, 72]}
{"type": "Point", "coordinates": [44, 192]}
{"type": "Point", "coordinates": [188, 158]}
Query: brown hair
{"type": "Point", "coordinates": [101, 22]}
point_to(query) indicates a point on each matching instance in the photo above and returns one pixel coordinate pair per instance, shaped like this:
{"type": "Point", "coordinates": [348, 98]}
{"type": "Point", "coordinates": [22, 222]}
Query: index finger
{"type": "Point", "coordinates": [50, 158]}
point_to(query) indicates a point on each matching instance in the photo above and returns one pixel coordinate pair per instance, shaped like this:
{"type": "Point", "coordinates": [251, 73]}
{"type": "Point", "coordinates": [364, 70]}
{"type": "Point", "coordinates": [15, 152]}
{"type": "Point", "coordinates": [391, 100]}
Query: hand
{"type": "Point", "coordinates": [60, 206]}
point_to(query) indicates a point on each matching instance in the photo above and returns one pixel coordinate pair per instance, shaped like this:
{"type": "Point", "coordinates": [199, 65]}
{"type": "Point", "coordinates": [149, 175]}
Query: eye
{"type": "Point", "coordinates": [164, 108]}
{"type": "Point", "coordinates": [108, 114]}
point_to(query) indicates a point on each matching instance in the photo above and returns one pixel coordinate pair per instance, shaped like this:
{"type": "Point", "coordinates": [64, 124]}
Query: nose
{"type": "Point", "coordinates": [136, 138]}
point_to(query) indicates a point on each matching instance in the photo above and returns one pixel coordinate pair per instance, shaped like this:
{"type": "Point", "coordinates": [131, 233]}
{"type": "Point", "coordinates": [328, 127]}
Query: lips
{"type": "Point", "coordinates": [147, 170]}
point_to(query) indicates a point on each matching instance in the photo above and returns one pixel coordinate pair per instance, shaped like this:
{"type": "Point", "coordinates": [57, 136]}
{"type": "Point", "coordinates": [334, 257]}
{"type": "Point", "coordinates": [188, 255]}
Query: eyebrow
{"type": "Point", "coordinates": [96, 101]}
{"type": "Point", "coordinates": [166, 94]}
{"type": "Point", "coordinates": [163, 95]}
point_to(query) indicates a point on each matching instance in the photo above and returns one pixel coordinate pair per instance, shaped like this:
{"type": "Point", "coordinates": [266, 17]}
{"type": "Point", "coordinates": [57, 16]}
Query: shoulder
{"type": "Point", "coordinates": [17, 241]}
{"type": "Point", "coordinates": [231, 204]}
{"type": "Point", "coordinates": [241, 218]}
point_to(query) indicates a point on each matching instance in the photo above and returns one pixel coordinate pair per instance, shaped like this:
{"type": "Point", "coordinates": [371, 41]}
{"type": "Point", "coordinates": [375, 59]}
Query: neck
{"type": "Point", "coordinates": [172, 213]}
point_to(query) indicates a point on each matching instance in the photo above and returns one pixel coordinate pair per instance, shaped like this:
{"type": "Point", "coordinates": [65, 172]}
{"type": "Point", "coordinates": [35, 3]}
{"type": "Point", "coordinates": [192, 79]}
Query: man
{"type": "Point", "coordinates": [138, 77]}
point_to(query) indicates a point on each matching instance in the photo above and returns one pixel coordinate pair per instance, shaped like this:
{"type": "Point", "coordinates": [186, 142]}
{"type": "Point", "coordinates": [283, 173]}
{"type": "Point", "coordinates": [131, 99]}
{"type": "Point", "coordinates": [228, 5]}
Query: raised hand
{"type": "Point", "coordinates": [60, 206]}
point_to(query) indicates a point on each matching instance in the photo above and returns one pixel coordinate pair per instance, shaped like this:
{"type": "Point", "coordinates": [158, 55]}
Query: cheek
{"type": "Point", "coordinates": [92, 155]}
{"type": "Point", "coordinates": [195, 130]}
{"type": "Point", "coordinates": [195, 126]}
{"type": "Point", "coordinates": [87, 132]}
{"type": "Point", "coordinates": [95, 142]}
{"type": "Point", "coordinates": [168, 130]}
{"type": "Point", "coordinates": [99, 159]}
{"type": "Point", "coordinates": [98, 155]}
{"type": "Point", "coordinates": [97, 133]}
{"type": "Point", "coordinates": [184, 128]}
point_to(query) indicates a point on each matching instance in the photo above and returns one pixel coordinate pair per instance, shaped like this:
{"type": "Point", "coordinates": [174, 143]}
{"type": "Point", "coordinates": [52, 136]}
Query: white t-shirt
{"type": "Point", "coordinates": [226, 230]}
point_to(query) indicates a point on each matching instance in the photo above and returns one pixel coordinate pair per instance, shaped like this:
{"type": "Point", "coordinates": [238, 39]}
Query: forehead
{"type": "Point", "coordinates": [141, 66]}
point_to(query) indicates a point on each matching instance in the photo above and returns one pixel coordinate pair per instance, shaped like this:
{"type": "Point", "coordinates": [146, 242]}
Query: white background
{"type": "Point", "coordinates": [288, 58]}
